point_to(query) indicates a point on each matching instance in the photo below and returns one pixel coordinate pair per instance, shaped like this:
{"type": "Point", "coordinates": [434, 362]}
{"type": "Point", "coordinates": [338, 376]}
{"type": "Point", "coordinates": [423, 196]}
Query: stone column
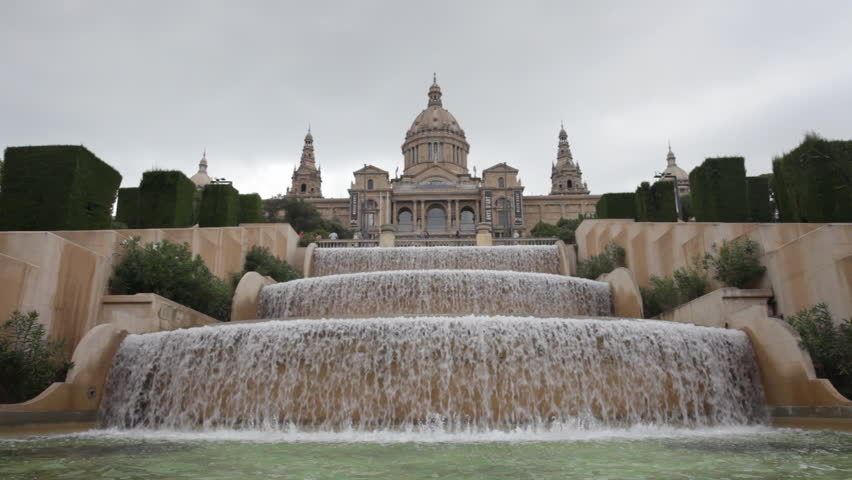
{"type": "Point", "coordinates": [483, 235]}
{"type": "Point", "coordinates": [388, 236]}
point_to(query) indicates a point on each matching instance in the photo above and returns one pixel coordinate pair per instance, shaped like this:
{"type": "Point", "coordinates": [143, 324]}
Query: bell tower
{"type": "Point", "coordinates": [307, 178]}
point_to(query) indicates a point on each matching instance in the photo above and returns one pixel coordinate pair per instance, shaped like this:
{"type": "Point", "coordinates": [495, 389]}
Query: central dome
{"type": "Point", "coordinates": [435, 118]}
{"type": "Point", "coordinates": [435, 137]}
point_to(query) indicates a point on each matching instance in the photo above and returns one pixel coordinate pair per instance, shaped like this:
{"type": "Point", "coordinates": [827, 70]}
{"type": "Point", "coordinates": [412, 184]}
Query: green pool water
{"type": "Point", "coordinates": [743, 453]}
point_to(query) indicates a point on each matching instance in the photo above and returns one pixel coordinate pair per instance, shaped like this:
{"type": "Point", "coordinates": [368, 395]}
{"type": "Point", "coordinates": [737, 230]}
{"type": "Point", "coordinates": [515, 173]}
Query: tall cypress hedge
{"type": "Point", "coordinates": [813, 183]}
{"type": "Point", "coordinates": [616, 205]}
{"type": "Point", "coordinates": [251, 208]}
{"type": "Point", "coordinates": [220, 206]}
{"type": "Point", "coordinates": [56, 187]}
{"type": "Point", "coordinates": [165, 197]}
{"type": "Point", "coordinates": [128, 209]}
{"type": "Point", "coordinates": [719, 192]}
{"type": "Point", "coordinates": [758, 199]}
{"type": "Point", "coordinates": [656, 203]}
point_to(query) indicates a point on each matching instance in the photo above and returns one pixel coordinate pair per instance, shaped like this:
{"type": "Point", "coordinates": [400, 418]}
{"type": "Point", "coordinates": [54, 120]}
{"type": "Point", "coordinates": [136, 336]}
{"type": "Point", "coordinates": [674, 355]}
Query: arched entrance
{"type": "Point", "coordinates": [404, 221]}
{"type": "Point", "coordinates": [436, 219]}
{"type": "Point", "coordinates": [467, 222]}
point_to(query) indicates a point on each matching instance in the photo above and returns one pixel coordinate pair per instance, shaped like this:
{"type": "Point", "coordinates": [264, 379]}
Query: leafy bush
{"type": "Point", "coordinates": [56, 187]}
{"type": "Point", "coordinates": [736, 264]}
{"type": "Point", "coordinates": [656, 203]}
{"type": "Point", "coordinates": [565, 229]}
{"type": "Point", "coordinates": [759, 209]}
{"type": "Point", "coordinates": [251, 208]}
{"type": "Point", "coordinates": [262, 261]}
{"type": "Point", "coordinates": [666, 293]}
{"type": "Point", "coordinates": [718, 189]}
{"type": "Point", "coordinates": [128, 209]}
{"type": "Point", "coordinates": [686, 212]}
{"type": "Point", "coordinates": [829, 345]}
{"type": "Point", "coordinates": [616, 205]}
{"type": "Point", "coordinates": [612, 257]}
{"type": "Point", "coordinates": [220, 206]}
{"type": "Point", "coordinates": [165, 200]}
{"type": "Point", "coordinates": [29, 361]}
{"type": "Point", "coordinates": [813, 183]}
{"type": "Point", "coordinates": [169, 270]}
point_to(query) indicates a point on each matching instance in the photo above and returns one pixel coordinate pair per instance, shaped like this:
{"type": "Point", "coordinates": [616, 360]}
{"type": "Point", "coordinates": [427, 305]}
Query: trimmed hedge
{"type": "Point", "coordinates": [616, 205]}
{"type": "Point", "coordinates": [813, 183]}
{"type": "Point", "coordinates": [251, 208]}
{"type": "Point", "coordinates": [165, 198]}
{"type": "Point", "coordinates": [718, 190]}
{"type": "Point", "coordinates": [56, 187]}
{"type": "Point", "coordinates": [759, 209]}
{"type": "Point", "coordinates": [220, 206]}
{"type": "Point", "coordinates": [656, 203]}
{"type": "Point", "coordinates": [128, 209]}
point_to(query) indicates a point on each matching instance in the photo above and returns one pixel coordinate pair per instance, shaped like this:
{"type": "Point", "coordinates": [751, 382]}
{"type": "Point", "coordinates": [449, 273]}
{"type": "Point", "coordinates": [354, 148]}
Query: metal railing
{"type": "Point", "coordinates": [347, 243]}
{"type": "Point", "coordinates": [435, 242]}
{"type": "Point", "coordinates": [526, 241]}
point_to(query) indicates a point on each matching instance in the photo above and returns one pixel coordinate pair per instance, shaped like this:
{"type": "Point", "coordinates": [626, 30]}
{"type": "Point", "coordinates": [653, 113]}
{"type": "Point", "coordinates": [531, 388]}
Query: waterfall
{"type": "Point", "coordinates": [448, 292]}
{"type": "Point", "coordinates": [333, 261]}
{"type": "Point", "coordinates": [459, 373]}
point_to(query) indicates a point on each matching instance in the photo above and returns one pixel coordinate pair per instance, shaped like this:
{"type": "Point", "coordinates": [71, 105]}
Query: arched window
{"type": "Point", "coordinates": [569, 183]}
{"type": "Point", "coordinates": [436, 219]}
{"type": "Point", "coordinates": [370, 184]}
{"type": "Point", "coordinates": [404, 220]}
{"type": "Point", "coordinates": [467, 220]}
{"type": "Point", "coordinates": [501, 182]}
{"type": "Point", "coordinates": [304, 188]}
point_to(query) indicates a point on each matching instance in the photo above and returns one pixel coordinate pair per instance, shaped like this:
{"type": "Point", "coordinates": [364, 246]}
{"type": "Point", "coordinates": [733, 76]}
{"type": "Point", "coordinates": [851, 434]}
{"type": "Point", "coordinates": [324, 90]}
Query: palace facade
{"type": "Point", "coordinates": [436, 193]}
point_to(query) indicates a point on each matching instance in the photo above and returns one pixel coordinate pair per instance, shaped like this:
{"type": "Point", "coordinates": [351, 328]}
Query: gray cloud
{"type": "Point", "coordinates": [150, 84]}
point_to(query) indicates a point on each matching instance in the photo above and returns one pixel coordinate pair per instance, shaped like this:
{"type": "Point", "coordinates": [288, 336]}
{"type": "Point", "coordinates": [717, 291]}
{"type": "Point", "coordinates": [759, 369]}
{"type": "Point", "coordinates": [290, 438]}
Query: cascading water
{"type": "Point", "coordinates": [456, 373]}
{"type": "Point", "coordinates": [454, 292]}
{"type": "Point", "coordinates": [334, 261]}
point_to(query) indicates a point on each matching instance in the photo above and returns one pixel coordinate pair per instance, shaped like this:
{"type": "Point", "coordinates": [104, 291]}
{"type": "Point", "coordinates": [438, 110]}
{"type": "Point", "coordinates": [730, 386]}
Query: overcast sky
{"type": "Point", "coordinates": [151, 84]}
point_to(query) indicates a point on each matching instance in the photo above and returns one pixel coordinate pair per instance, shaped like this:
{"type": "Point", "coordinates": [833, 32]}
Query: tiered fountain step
{"type": "Point", "coordinates": [445, 292]}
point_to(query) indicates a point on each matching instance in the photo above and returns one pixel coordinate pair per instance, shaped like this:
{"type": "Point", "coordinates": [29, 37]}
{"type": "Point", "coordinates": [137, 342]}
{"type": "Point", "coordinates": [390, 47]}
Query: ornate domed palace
{"type": "Point", "coordinates": [436, 193]}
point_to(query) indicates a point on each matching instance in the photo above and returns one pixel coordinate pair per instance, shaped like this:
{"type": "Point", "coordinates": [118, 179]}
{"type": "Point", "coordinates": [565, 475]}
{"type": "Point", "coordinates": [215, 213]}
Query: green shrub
{"type": "Point", "coordinates": [616, 205]}
{"type": "Point", "coordinates": [758, 199]}
{"type": "Point", "coordinates": [128, 210]}
{"type": "Point", "coordinates": [220, 206]}
{"type": "Point", "coordinates": [169, 270]}
{"type": "Point", "coordinates": [659, 296]}
{"type": "Point", "coordinates": [665, 293]}
{"type": "Point", "coordinates": [57, 187]}
{"type": "Point", "coordinates": [686, 212]}
{"type": "Point", "coordinates": [565, 229]}
{"type": "Point", "coordinates": [165, 198]}
{"type": "Point", "coordinates": [656, 203]}
{"type": "Point", "coordinates": [251, 208]}
{"type": "Point", "coordinates": [29, 361]}
{"type": "Point", "coordinates": [813, 183]}
{"type": "Point", "coordinates": [736, 264]}
{"type": "Point", "coordinates": [829, 345]}
{"type": "Point", "coordinates": [262, 261]}
{"type": "Point", "coordinates": [718, 190]}
{"type": "Point", "coordinates": [612, 257]}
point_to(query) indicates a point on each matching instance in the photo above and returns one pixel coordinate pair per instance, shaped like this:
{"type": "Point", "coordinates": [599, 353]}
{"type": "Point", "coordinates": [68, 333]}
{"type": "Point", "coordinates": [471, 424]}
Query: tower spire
{"type": "Point", "coordinates": [435, 92]}
{"type": "Point", "coordinates": [670, 157]}
{"type": "Point", "coordinates": [308, 151]}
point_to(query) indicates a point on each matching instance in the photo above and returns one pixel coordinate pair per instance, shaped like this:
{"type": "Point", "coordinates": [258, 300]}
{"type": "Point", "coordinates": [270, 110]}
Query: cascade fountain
{"type": "Point", "coordinates": [412, 349]}
{"type": "Point", "coordinates": [533, 258]}
{"type": "Point", "coordinates": [408, 292]}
